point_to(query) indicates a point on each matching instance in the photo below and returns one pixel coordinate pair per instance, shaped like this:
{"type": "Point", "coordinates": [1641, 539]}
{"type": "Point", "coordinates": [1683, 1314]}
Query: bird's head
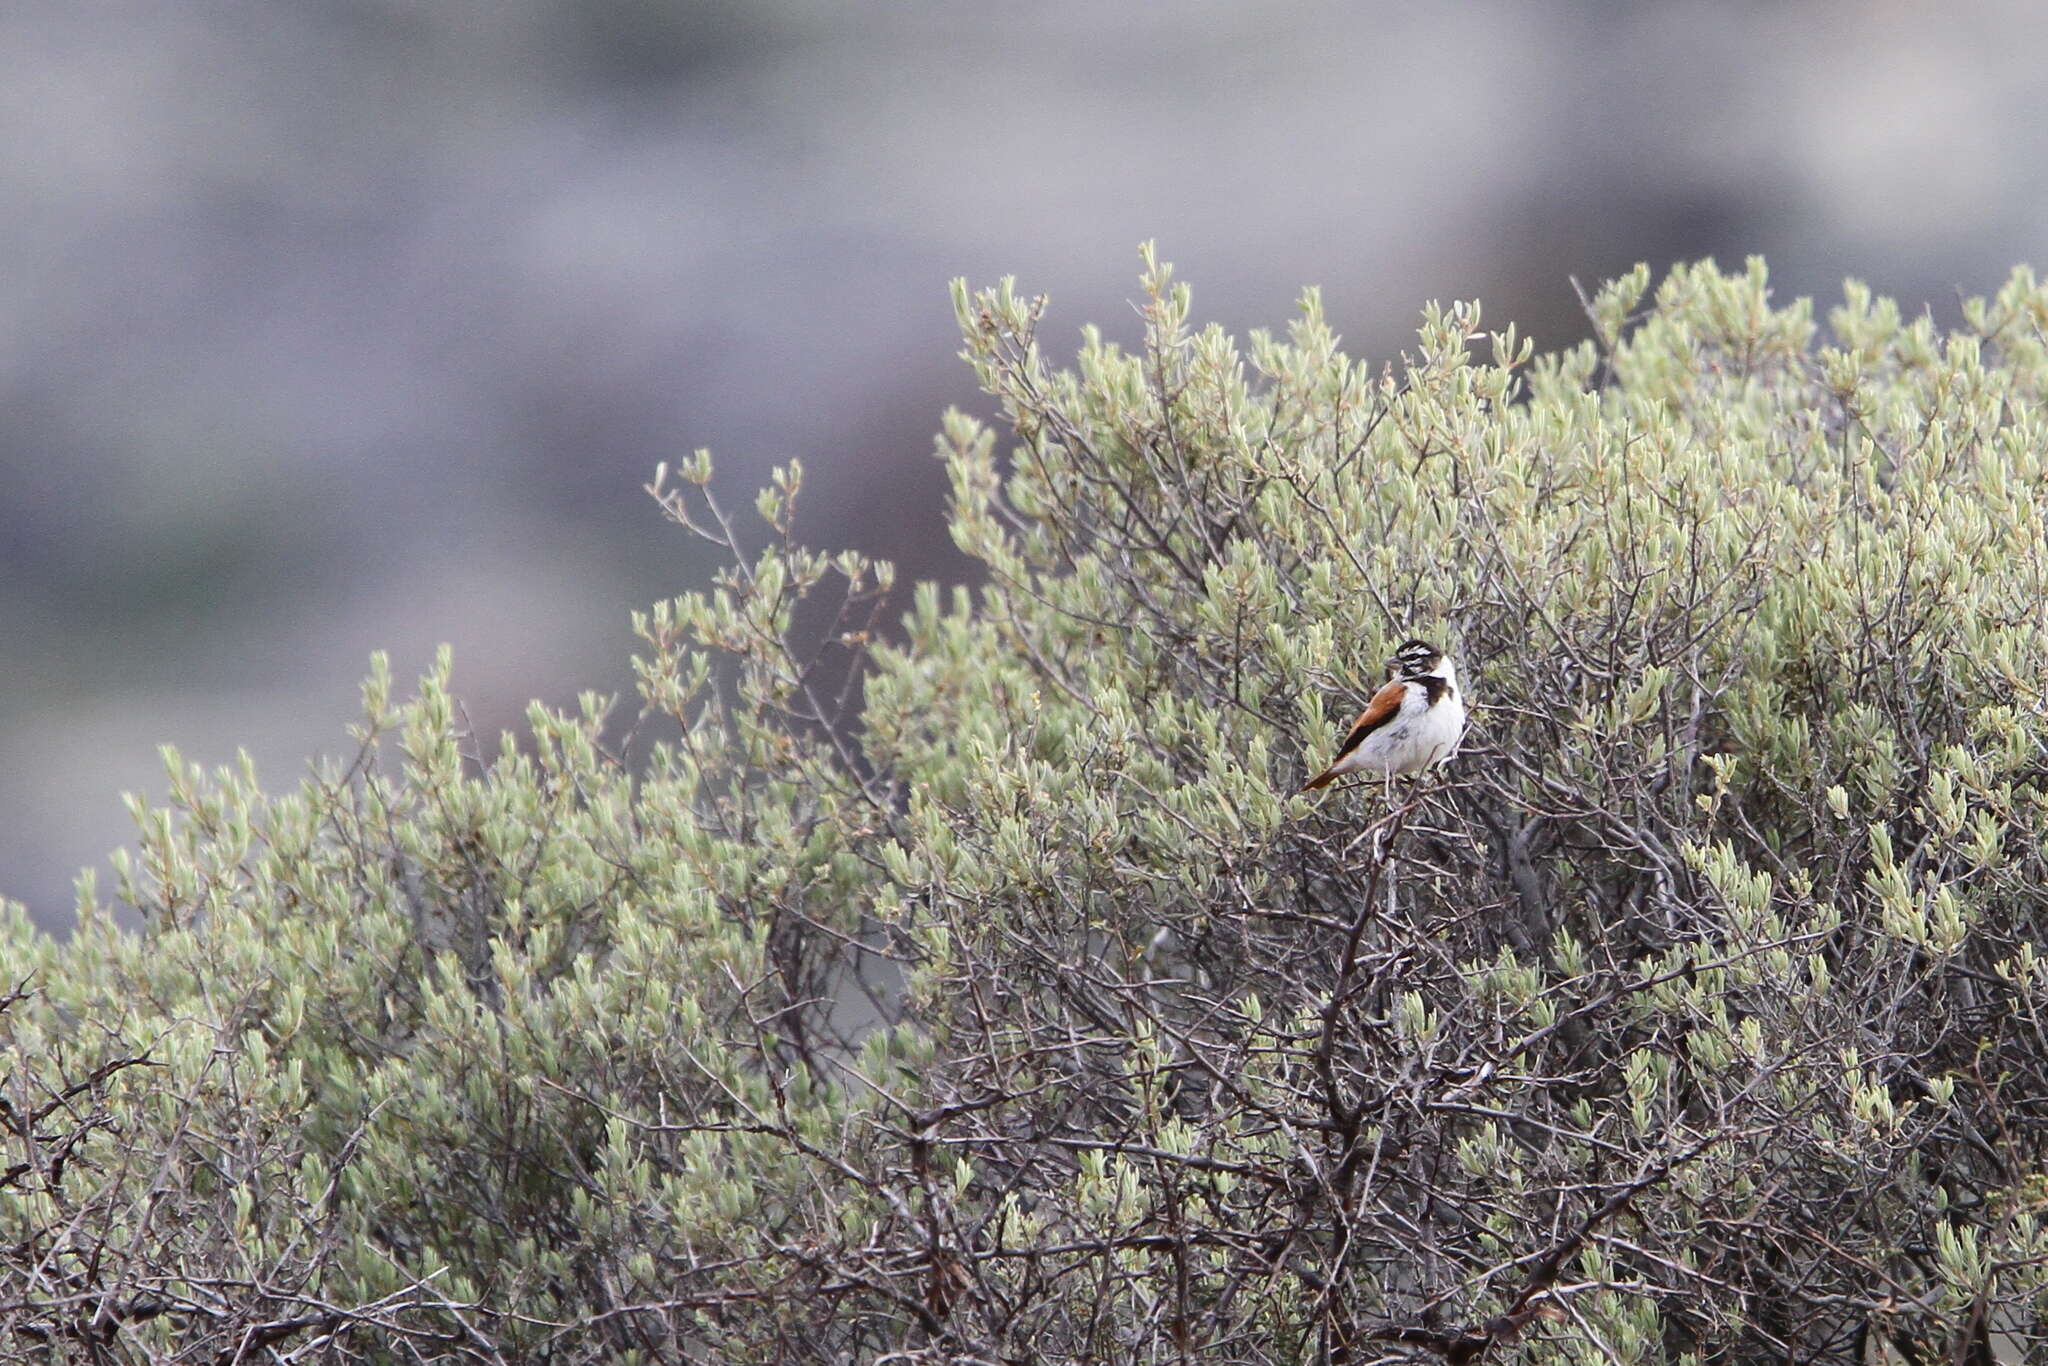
{"type": "Point", "coordinates": [1418, 659]}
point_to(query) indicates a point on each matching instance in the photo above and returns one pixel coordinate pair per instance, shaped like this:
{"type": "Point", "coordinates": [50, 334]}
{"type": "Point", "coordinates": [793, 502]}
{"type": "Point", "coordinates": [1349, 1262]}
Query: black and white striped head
{"type": "Point", "coordinates": [1417, 659]}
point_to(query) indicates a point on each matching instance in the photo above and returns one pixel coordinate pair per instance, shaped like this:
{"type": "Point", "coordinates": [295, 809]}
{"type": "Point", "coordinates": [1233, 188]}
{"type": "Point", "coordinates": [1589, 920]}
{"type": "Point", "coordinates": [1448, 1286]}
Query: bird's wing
{"type": "Point", "coordinates": [1377, 713]}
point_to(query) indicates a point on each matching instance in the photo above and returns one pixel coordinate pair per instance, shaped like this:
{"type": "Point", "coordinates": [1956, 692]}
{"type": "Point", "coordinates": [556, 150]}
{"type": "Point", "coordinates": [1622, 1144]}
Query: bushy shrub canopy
{"type": "Point", "coordinates": [963, 980]}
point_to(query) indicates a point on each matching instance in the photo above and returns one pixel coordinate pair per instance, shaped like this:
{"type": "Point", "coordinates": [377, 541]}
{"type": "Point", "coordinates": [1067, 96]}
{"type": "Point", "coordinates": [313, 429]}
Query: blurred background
{"type": "Point", "coordinates": [353, 325]}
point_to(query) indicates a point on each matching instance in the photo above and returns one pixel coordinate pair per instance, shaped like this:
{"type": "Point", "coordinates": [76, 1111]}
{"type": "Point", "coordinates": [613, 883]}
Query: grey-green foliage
{"type": "Point", "coordinates": [1016, 1009]}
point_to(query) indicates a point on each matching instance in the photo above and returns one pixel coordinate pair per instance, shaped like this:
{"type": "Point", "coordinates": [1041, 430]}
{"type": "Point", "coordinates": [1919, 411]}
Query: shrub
{"type": "Point", "coordinates": [968, 982]}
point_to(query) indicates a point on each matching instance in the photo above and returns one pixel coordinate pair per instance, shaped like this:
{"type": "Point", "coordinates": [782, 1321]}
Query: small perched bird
{"type": "Point", "coordinates": [1414, 721]}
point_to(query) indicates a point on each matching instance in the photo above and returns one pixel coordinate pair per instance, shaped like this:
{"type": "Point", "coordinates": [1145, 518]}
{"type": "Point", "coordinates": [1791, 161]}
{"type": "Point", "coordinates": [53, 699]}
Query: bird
{"type": "Point", "coordinates": [1413, 722]}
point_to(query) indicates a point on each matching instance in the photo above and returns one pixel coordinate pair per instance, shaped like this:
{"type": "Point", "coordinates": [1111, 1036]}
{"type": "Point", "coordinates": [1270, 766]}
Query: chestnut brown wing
{"type": "Point", "coordinates": [1385, 703]}
{"type": "Point", "coordinates": [1377, 713]}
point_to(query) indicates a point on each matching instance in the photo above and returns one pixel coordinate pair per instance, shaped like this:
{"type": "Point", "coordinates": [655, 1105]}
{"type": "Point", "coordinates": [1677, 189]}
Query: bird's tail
{"type": "Point", "coordinates": [1320, 780]}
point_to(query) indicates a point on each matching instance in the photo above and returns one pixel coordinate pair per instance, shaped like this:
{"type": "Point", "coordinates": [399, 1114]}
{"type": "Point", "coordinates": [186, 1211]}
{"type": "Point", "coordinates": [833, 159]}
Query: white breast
{"type": "Point", "coordinates": [1419, 735]}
